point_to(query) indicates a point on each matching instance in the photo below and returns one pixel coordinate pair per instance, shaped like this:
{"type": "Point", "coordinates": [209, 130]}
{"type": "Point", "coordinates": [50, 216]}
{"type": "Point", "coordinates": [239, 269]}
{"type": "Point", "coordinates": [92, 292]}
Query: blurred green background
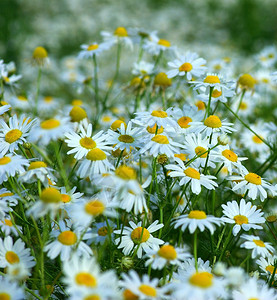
{"type": "Point", "coordinates": [61, 26]}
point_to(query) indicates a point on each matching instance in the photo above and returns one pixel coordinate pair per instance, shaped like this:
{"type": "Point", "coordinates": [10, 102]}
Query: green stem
{"type": "Point", "coordinates": [240, 101]}
{"type": "Point", "coordinates": [96, 84]}
{"type": "Point", "coordinates": [227, 241]}
{"type": "Point", "coordinates": [209, 103]}
{"type": "Point", "coordinates": [195, 250]}
{"type": "Point", "coordinates": [37, 92]}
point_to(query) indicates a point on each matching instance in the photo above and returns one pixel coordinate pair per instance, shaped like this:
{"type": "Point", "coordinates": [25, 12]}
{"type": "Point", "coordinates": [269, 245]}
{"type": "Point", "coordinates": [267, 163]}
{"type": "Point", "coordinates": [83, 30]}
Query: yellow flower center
{"type": "Point", "coordinates": [254, 298]}
{"type": "Point", "coordinates": [129, 295]}
{"type": "Point", "coordinates": [96, 154]}
{"type": "Point", "coordinates": [212, 79]}
{"type": "Point", "coordinates": [200, 104]}
{"type": "Point", "coordinates": [256, 140]}
{"type": "Point", "coordinates": [159, 114]}
{"type": "Point", "coordinates": [77, 114]}
{"type": "Point", "coordinates": [22, 98]}
{"type": "Point", "coordinates": [247, 81]}
{"type": "Point", "coordinates": [13, 135]}
{"type": "Point", "coordinates": [103, 231]}
{"type": "Point", "coordinates": [65, 198]}
{"type": "Point", "coordinates": [50, 195]}
{"type": "Point", "coordinates": [50, 124]}
{"type": "Point", "coordinates": [7, 222]}
{"type": "Point", "coordinates": [148, 290]}
{"type": "Point", "coordinates": [125, 138]}
{"type": "Point", "coordinates": [76, 102]}
{"type": "Point", "coordinates": [185, 67]}
{"type": "Point", "coordinates": [92, 47]}
{"type": "Point", "coordinates": [199, 150]}
{"type": "Point", "coordinates": [168, 252]}
{"type": "Point", "coordinates": [161, 79]}
{"type": "Point", "coordinates": [5, 160]}
{"type": "Point", "coordinates": [40, 53]}
{"type": "Point", "coordinates": [184, 121]}
{"type": "Point", "coordinates": [92, 297]}
{"type": "Point", "coordinates": [270, 269]}
{"type": "Point", "coordinates": [67, 238]}
{"type": "Point", "coordinates": [191, 172]}
{"type": "Point", "coordinates": [138, 236]}
{"type": "Point", "coordinates": [216, 93]}
{"type": "Point", "coordinates": [36, 165]}
{"type": "Point", "coordinates": [126, 173]}
{"type": "Point", "coordinates": [94, 208]}
{"type": "Point", "coordinates": [153, 129]}
{"type": "Point", "coordinates": [116, 124]}
{"type": "Point", "coordinates": [87, 142]}
{"type": "Point", "coordinates": [5, 296]}
{"type": "Point", "coordinates": [240, 219]}
{"type": "Point", "coordinates": [202, 279]}
{"type": "Point", "coordinates": [212, 122]}
{"type": "Point", "coordinates": [12, 257]}
{"type": "Point", "coordinates": [259, 243]}
{"type": "Point", "coordinates": [197, 214]}
{"type": "Point", "coordinates": [230, 155]}
{"type": "Point", "coordinates": [121, 32]}
{"type": "Point", "coordinates": [253, 178]}
{"type": "Point", "coordinates": [160, 139]}
{"type": "Point", "coordinates": [164, 43]}
{"type": "Point", "coordinates": [86, 279]}
{"type": "Point", "coordinates": [182, 156]}
{"type": "Point", "coordinates": [6, 195]}
{"type": "Point", "coordinates": [106, 119]}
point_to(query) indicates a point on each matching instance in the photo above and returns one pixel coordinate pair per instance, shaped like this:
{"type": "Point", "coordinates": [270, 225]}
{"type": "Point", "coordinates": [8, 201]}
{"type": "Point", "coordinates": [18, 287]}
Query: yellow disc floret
{"type": "Point", "coordinates": [212, 79]}
{"type": "Point", "coordinates": [192, 173]}
{"type": "Point", "coordinates": [50, 124]}
{"type": "Point", "coordinates": [125, 138]}
{"type": "Point", "coordinates": [197, 214]}
{"type": "Point", "coordinates": [202, 279]}
{"type": "Point", "coordinates": [247, 81]}
{"type": "Point", "coordinates": [5, 160]}
{"type": "Point", "coordinates": [184, 121]}
{"type": "Point", "coordinates": [126, 173]}
{"type": "Point", "coordinates": [199, 151]}
{"type": "Point", "coordinates": [161, 79]}
{"type": "Point", "coordinates": [121, 32]}
{"type": "Point", "coordinates": [50, 195]}
{"type": "Point", "coordinates": [36, 165]}
{"type": "Point", "coordinates": [259, 243]}
{"type": "Point", "coordinates": [77, 114]}
{"type": "Point", "coordinates": [148, 290]}
{"type": "Point", "coordinates": [230, 155]}
{"type": "Point", "coordinates": [154, 130]}
{"type": "Point", "coordinates": [12, 257]}
{"type": "Point", "coordinates": [168, 252]}
{"type": "Point", "coordinates": [86, 279]}
{"type": "Point", "coordinates": [213, 122]}
{"type": "Point", "coordinates": [92, 47]}
{"type": "Point", "coordinates": [185, 67]}
{"type": "Point", "coordinates": [5, 296]}
{"type": "Point", "coordinates": [164, 43]}
{"type": "Point", "coordinates": [13, 135]}
{"type": "Point", "coordinates": [87, 142]}
{"type": "Point", "coordinates": [40, 53]}
{"type": "Point", "coordinates": [67, 238]}
{"type": "Point", "coordinates": [240, 219]}
{"type": "Point", "coordinates": [94, 208]}
{"type": "Point", "coordinates": [159, 114]}
{"type": "Point", "coordinates": [253, 178]}
{"type": "Point", "coordinates": [96, 154]}
{"type": "Point", "coordinates": [116, 124]}
{"type": "Point", "coordinates": [216, 93]}
{"type": "Point", "coordinates": [160, 139]}
{"type": "Point", "coordinates": [140, 235]}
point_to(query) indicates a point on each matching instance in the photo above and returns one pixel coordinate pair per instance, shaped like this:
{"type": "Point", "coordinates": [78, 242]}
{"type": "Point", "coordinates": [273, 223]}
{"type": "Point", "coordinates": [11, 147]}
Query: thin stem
{"type": "Point", "coordinates": [195, 250]}
{"type": "Point", "coordinates": [209, 102]}
{"type": "Point", "coordinates": [37, 92]}
{"type": "Point", "coordinates": [96, 84]}
{"type": "Point", "coordinates": [240, 101]}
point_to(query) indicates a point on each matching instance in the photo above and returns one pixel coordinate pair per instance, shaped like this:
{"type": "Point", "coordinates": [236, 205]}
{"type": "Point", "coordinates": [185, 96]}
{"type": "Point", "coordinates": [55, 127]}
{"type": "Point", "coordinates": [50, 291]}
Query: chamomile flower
{"type": "Point", "coordinates": [20, 102]}
{"type": "Point", "coordinates": [142, 68]}
{"type": "Point", "coordinates": [254, 143]}
{"type": "Point", "coordinates": [253, 183]}
{"type": "Point", "coordinates": [8, 228]}
{"type": "Point", "coordinates": [9, 197]}
{"type": "Point", "coordinates": [126, 138]}
{"type": "Point", "coordinates": [10, 290]}
{"type": "Point", "coordinates": [48, 105]}
{"type": "Point", "coordinates": [245, 216]}
{"type": "Point", "coordinates": [197, 219]}
{"type": "Point", "coordinates": [100, 232]}
{"type": "Point", "coordinates": [189, 65]}
{"type": "Point", "coordinates": [268, 56]}
{"type": "Point", "coordinates": [154, 45]}
{"type": "Point", "coordinates": [50, 130]}
{"type": "Point", "coordinates": [136, 288]}
{"type": "Point", "coordinates": [139, 237]}
{"type": "Point", "coordinates": [254, 289]}
{"type": "Point", "coordinates": [92, 49]}
{"type": "Point", "coordinates": [217, 95]}
{"type": "Point", "coordinates": [13, 253]}
{"type": "Point", "coordinates": [258, 247]}
{"type": "Point", "coordinates": [65, 242]}
{"type": "Point", "coordinates": [229, 158]}
{"type": "Point", "coordinates": [4, 108]}
{"type": "Point", "coordinates": [15, 134]}
{"type": "Point", "coordinates": [166, 255]}
{"type": "Point", "coordinates": [120, 35]}
{"type": "Point", "coordinates": [210, 80]}
{"type": "Point", "coordinates": [10, 165]}
{"type": "Point", "coordinates": [267, 265]}
{"type": "Point", "coordinates": [191, 175]}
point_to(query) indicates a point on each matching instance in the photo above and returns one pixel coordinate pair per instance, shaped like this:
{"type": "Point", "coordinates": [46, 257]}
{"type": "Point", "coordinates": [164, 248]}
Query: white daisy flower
{"type": "Point", "coordinates": [20, 102]}
{"type": "Point", "coordinates": [120, 35]}
{"type": "Point", "coordinates": [136, 288]}
{"type": "Point", "coordinates": [258, 247]}
{"type": "Point", "coordinates": [245, 216]}
{"type": "Point", "coordinates": [192, 176]}
{"type": "Point", "coordinates": [50, 130]}
{"type": "Point", "coordinates": [190, 65]}
{"type": "Point", "coordinates": [254, 289]}
{"type": "Point", "coordinates": [65, 243]}
{"type": "Point", "coordinates": [92, 49]}
{"type": "Point", "coordinates": [17, 272]}
{"type": "Point", "coordinates": [100, 232]}
{"type": "Point", "coordinates": [213, 80]}
{"type": "Point", "coordinates": [10, 290]}
{"type": "Point", "coordinates": [9, 197]}
{"type": "Point", "coordinates": [13, 253]}
{"type": "Point", "coordinates": [267, 265]}
{"type": "Point", "coordinates": [125, 138]}
{"type": "Point", "coordinates": [142, 68]}
{"type": "Point", "coordinates": [4, 108]}
{"type": "Point", "coordinates": [166, 255]}
{"type": "Point", "coordinates": [253, 183]}
{"type": "Point", "coordinates": [217, 95]}
{"type": "Point", "coordinates": [8, 228]}
{"type": "Point", "coordinates": [268, 56]}
{"type": "Point", "coordinates": [229, 158]}
{"type": "Point", "coordinates": [14, 134]}
{"type": "Point", "coordinates": [154, 45]}
{"type": "Point", "coordinates": [48, 105]}
{"type": "Point", "coordinates": [197, 219]}
{"type": "Point", "coordinates": [10, 165]}
{"type": "Point", "coordinates": [137, 235]}
{"type": "Point", "coordinates": [274, 76]}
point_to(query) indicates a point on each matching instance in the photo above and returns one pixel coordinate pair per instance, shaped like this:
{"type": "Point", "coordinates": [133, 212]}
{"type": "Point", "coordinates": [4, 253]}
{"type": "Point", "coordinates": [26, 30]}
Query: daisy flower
{"type": "Point", "coordinates": [254, 289]}
{"type": "Point", "coordinates": [10, 165]}
{"type": "Point", "coordinates": [20, 102]}
{"type": "Point", "coordinates": [4, 108]}
{"type": "Point", "coordinates": [245, 216]}
{"type": "Point", "coordinates": [83, 142]}
{"type": "Point", "coordinates": [267, 265]}
{"type": "Point", "coordinates": [154, 45]}
{"type": "Point", "coordinates": [229, 158]}
{"type": "Point", "coordinates": [8, 228]}
{"type": "Point", "coordinates": [258, 247]}
{"type": "Point", "coordinates": [126, 137]}
{"type": "Point", "coordinates": [15, 134]}
{"type": "Point", "coordinates": [137, 235]}
{"type": "Point", "coordinates": [13, 253]}
{"type": "Point", "coordinates": [50, 130]}
{"type": "Point", "coordinates": [10, 290]}
{"type": "Point", "coordinates": [48, 105]}
{"type": "Point", "coordinates": [254, 143]}
{"type": "Point", "coordinates": [189, 65]}
{"type": "Point", "coordinates": [142, 68]}
{"type": "Point", "coordinates": [253, 183]}
{"type": "Point", "coordinates": [197, 219]}
{"type": "Point", "coordinates": [268, 56]}
{"type": "Point", "coordinates": [166, 255]}
{"type": "Point", "coordinates": [192, 176]}
{"type": "Point", "coordinates": [217, 95]}
{"type": "Point", "coordinates": [92, 49]}
{"type": "Point", "coordinates": [120, 35]}
{"type": "Point", "coordinates": [9, 197]}
{"type": "Point", "coordinates": [83, 274]}
{"type": "Point", "coordinates": [65, 243]}
{"type": "Point", "coordinates": [100, 232]}
{"type": "Point", "coordinates": [211, 80]}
